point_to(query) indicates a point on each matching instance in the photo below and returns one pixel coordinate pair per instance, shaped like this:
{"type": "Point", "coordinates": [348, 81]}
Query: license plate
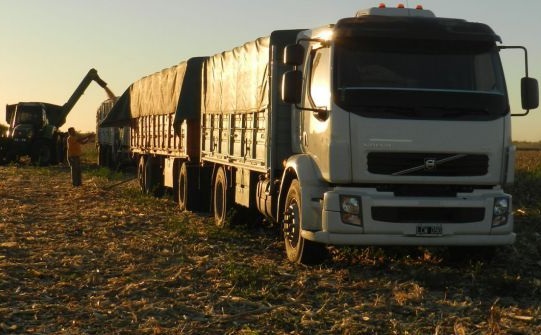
{"type": "Point", "coordinates": [429, 230]}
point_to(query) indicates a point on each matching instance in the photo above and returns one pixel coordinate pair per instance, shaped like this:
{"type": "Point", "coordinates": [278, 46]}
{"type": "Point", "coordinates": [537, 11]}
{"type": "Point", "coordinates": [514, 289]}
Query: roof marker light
{"type": "Point", "coordinates": [400, 5]}
{"type": "Point", "coordinates": [420, 7]}
{"type": "Point", "coordinates": [382, 5]}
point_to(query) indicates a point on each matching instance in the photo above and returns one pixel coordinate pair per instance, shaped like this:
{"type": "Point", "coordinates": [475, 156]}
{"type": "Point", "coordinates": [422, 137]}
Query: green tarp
{"type": "Point", "coordinates": [173, 90]}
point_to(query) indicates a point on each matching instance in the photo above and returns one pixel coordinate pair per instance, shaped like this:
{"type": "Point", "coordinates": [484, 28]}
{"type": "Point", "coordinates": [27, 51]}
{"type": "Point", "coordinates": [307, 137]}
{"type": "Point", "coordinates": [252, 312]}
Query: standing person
{"type": "Point", "coordinates": [74, 155]}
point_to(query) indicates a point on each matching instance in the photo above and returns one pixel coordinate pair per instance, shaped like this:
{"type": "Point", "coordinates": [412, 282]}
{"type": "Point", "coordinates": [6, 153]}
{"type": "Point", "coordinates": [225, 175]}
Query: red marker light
{"type": "Point", "coordinates": [400, 5]}
{"type": "Point", "coordinates": [419, 7]}
{"type": "Point", "coordinates": [382, 5]}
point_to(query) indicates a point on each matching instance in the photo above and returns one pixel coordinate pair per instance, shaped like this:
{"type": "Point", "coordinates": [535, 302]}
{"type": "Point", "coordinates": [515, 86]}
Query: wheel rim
{"type": "Point", "coordinates": [219, 196]}
{"type": "Point", "coordinates": [182, 189]}
{"type": "Point", "coordinates": [220, 199]}
{"type": "Point", "coordinates": [291, 223]}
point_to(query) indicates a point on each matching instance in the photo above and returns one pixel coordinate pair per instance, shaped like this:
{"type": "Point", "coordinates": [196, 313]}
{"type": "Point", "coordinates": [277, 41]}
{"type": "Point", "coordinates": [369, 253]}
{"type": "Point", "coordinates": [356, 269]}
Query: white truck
{"type": "Point", "coordinates": [392, 127]}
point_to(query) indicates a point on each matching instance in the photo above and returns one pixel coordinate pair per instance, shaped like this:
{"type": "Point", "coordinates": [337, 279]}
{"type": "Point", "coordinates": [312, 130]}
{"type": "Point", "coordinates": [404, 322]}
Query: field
{"type": "Point", "coordinates": [102, 259]}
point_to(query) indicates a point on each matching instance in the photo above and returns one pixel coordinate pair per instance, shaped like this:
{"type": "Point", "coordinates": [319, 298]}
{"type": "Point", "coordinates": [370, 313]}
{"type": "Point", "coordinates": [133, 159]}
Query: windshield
{"type": "Point", "coordinates": [29, 115]}
{"type": "Point", "coordinates": [434, 68]}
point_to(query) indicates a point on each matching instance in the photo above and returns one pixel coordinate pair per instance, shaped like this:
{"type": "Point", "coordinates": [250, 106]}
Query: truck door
{"type": "Point", "coordinates": [315, 122]}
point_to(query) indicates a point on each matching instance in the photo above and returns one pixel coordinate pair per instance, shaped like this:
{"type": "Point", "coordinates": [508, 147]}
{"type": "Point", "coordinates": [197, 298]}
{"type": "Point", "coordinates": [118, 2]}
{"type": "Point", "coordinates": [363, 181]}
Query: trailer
{"type": "Point", "coordinates": [392, 127]}
{"type": "Point", "coordinates": [162, 111]}
{"type": "Point", "coordinates": [112, 143]}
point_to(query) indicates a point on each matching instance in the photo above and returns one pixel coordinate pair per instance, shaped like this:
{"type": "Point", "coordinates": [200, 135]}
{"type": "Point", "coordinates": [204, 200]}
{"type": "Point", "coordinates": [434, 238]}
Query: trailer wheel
{"type": "Point", "coordinates": [221, 198]}
{"type": "Point", "coordinates": [107, 154]}
{"type": "Point", "coordinates": [104, 156]}
{"type": "Point", "coordinates": [99, 149]}
{"type": "Point", "coordinates": [112, 160]}
{"type": "Point", "coordinates": [298, 249]}
{"type": "Point", "coordinates": [153, 183]}
{"type": "Point", "coordinates": [41, 153]}
{"type": "Point", "coordinates": [183, 187]}
{"type": "Point", "coordinates": [141, 174]}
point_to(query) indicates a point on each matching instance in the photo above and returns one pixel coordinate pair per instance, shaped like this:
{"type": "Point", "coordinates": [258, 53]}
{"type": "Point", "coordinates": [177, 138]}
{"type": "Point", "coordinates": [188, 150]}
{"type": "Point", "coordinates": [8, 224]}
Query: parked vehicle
{"type": "Point", "coordinates": [389, 128]}
{"type": "Point", "coordinates": [34, 127]}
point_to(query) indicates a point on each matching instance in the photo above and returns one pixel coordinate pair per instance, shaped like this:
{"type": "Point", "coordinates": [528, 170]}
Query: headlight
{"type": "Point", "coordinates": [350, 210]}
{"type": "Point", "coordinates": [500, 212]}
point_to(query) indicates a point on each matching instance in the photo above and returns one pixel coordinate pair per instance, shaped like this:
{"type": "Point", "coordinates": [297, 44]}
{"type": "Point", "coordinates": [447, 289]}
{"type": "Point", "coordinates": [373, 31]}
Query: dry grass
{"type": "Point", "coordinates": [93, 260]}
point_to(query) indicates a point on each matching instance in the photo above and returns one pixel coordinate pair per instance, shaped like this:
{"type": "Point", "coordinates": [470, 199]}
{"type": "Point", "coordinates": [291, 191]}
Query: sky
{"type": "Point", "coordinates": [47, 47]}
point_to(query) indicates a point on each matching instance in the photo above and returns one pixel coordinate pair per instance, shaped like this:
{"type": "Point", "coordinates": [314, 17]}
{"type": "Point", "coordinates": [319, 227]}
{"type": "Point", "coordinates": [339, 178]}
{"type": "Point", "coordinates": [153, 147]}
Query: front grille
{"type": "Point", "coordinates": [427, 164]}
{"type": "Point", "coordinates": [428, 214]}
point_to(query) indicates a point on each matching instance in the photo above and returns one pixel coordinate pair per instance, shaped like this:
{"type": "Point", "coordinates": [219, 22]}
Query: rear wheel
{"type": "Point", "coordinates": [112, 161]}
{"type": "Point", "coordinates": [153, 183]}
{"type": "Point", "coordinates": [101, 159]}
{"type": "Point", "coordinates": [298, 249]}
{"type": "Point", "coordinates": [182, 191]}
{"type": "Point", "coordinates": [141, 173]}
{"type": "Point", "coordinates": [221, 198]}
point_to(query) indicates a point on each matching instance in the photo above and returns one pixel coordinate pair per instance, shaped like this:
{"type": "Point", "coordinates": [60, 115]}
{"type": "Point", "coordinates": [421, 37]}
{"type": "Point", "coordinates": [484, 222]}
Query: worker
{"type": "Point", "coordinates": [74, 155]}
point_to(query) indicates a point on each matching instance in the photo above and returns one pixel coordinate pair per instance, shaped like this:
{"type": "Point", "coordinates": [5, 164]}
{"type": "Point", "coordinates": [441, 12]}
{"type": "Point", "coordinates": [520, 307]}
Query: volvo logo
{"type": "Point", "coordinates": [430, 164]}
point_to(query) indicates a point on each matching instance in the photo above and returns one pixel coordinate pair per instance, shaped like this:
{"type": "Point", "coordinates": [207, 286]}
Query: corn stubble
{"type": "Point", "coordinates": [108, 260]}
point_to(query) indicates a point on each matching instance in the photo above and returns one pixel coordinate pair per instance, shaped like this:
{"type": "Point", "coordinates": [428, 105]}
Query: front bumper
{"type": "Point", "coordinates": [386, 219]}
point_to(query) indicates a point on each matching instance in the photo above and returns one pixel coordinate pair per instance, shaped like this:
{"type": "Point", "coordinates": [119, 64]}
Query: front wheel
{"type": "Point", "coordinates": [298, 249]}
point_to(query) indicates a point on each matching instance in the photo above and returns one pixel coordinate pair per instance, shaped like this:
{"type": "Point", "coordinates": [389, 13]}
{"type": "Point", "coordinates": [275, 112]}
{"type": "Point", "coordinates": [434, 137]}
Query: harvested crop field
{"type": "Point", "coordinates": [106, 260]}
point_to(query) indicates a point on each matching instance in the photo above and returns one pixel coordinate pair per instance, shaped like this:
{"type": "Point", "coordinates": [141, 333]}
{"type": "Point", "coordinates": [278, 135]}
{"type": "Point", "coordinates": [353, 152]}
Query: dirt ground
{"type": "Point", "coordinates": [99, 260]}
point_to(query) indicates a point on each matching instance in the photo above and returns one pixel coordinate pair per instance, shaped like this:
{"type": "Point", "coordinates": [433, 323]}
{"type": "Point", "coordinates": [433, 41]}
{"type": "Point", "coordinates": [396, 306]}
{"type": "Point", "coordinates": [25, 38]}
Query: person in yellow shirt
{"type": "Point", "coordinates": [74, 155]}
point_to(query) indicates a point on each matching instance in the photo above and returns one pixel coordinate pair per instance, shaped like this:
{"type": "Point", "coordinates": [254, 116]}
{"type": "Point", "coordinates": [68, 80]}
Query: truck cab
{"type": "Point", "coordinates": [402, 129]}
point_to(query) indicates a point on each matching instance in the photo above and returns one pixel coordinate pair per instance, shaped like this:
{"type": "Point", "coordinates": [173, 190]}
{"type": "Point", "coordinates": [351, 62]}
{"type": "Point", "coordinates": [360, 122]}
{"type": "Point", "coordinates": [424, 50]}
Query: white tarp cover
{"type": "Point", "coordinates": [237, 80]}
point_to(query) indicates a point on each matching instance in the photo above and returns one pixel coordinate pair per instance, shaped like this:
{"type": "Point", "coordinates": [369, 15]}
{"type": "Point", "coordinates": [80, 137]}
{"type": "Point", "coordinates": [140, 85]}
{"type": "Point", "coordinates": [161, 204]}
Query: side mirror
{"type": "Point", "coordinates": [293, 54]}
{"type": "Point", "coordinates": [292, 87]}
{"type": "Point", "coordinates": [529, 93]}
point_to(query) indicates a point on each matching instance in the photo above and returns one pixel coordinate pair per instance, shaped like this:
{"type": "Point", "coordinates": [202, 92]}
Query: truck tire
{"type": "Point", "coordinates": [41, 153]}
{"type": "Point", "coordinates": [112, 161]}
{"type": "Point", "coordinates": [298, 249]}
{"type": "Point", "coordinates": [141, 174]}
{"type": "Point", "coordinates": [153, 182]}
{"type": "Point", "coordinates": [106, 156]}
{"type": "Point", "coordinates": [221, 199]}
{"type": "Point", "coordinates": [101, 159]}
{"type": "Point", "coordinates": [182, 189]}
